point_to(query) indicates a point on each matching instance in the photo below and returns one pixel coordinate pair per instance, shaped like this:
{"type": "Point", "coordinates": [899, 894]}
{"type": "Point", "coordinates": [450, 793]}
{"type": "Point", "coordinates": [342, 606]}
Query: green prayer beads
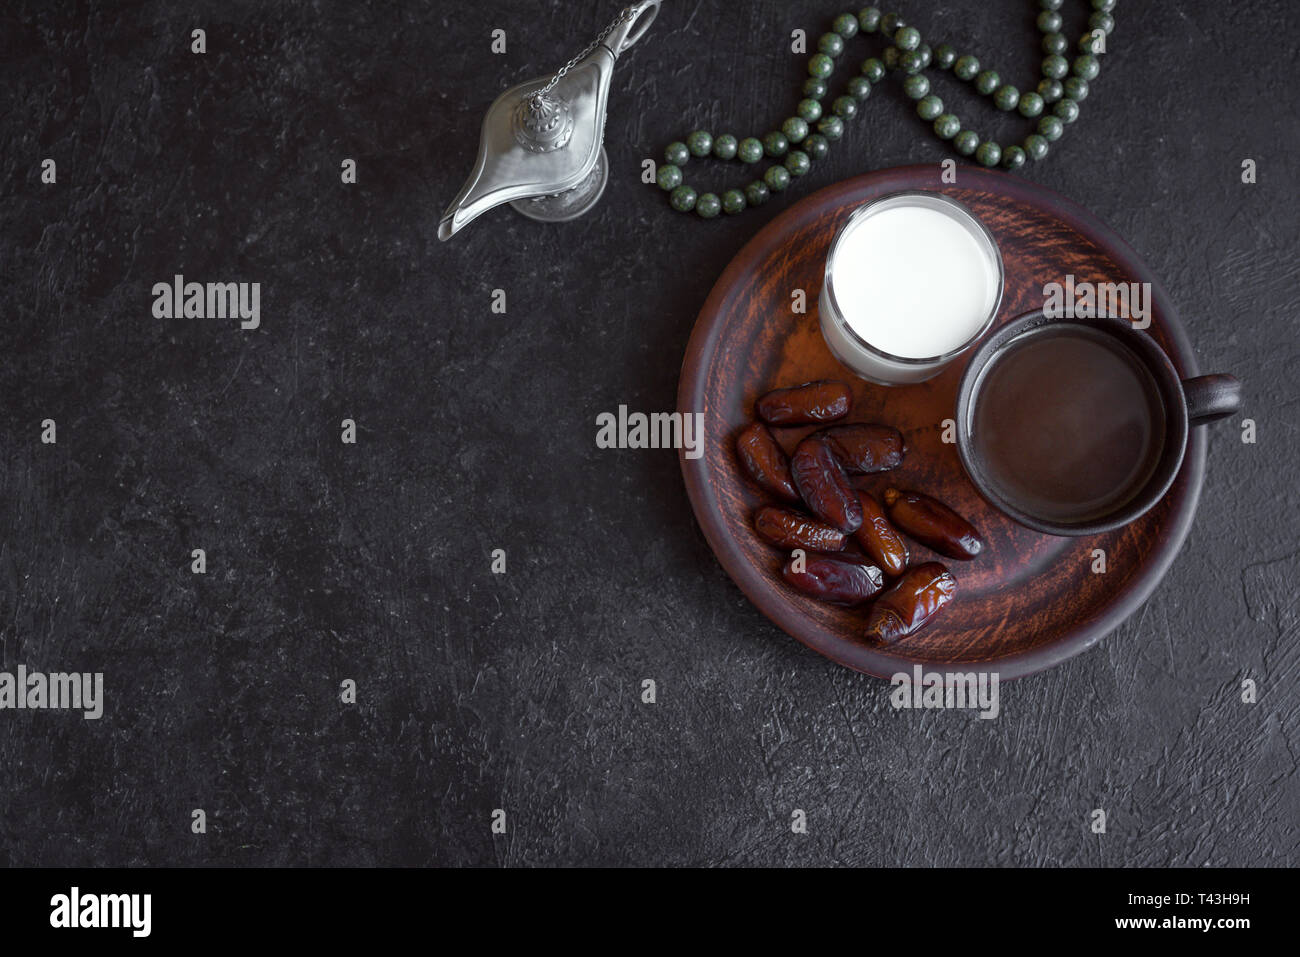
{"type": "Point", "coordinates": [699, 143]}
{"type": "Point", "coordinates": [1031, 104]}
{"type": "Point", "coordinates": [669, 177]}
{"type": "Point", "coordinates": [798, 163]}
{"type": "Point", "coordinates": [733, 202]}
{"type": "Point", "coordinates": [929, 108]}
{"type": "Point", "coordinates": [708, 206]}
{"type": "Point", "coordinates": [988, 153]}
{"type": "Point", "coordinates": [946, 126]}
{"type": "Point", "coordinates": [805, 137]}
{"type": "Point", "coordinates": [683, 199]}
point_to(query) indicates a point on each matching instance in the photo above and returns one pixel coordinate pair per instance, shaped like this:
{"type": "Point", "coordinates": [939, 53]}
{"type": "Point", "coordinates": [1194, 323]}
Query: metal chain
{"type": "Point", "coordinates": [622, 18]}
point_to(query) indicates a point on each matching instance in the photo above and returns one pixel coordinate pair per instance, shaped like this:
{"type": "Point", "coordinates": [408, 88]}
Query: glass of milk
{"type": "Point", "coordinates": [913, 280]}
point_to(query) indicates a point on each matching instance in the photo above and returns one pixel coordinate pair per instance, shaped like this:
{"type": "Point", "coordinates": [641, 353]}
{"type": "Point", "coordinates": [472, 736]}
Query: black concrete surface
{"type": "Point", "coordinates": [476, 431]}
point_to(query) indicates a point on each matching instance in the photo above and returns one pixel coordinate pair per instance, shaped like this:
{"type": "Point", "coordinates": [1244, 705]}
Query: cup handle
{"type": "Point", "coordinates": [1211, 397]}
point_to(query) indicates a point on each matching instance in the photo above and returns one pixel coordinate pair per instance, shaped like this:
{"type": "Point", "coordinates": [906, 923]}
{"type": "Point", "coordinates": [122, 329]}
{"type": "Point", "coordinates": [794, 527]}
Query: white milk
{"type": "Point", "coordinates": [912, 276]}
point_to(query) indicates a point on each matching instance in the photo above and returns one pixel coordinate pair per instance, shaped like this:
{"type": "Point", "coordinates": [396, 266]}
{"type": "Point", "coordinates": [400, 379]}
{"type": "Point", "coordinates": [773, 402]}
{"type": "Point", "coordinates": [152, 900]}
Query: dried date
{"type": "Point", "coordinates": [911, 603]}
{"type": "Point", "coordinates": [932, 523]}
{"type": "Point", "coordinates": [790, 529]}
{"type": "Point", "coordinates": [864, 448]}
{"type": "Point", "coordinates": [824, 487]}
{"type": "Point", "coordinates": [806, 404]}
{"type": "Point", "coordinates": [765, 461]}
{"type": "Point", "coordinates": [838, 579]}
{"type": "Point", "coordinates": [879, 539]}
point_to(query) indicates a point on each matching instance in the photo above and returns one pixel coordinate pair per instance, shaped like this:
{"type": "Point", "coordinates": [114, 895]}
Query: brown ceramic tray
{"type": "Point", "coordinates": [1030, 600]}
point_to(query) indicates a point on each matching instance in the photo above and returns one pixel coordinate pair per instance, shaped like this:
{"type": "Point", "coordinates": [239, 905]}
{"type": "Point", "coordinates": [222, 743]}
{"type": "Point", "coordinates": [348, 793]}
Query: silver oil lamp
{"type": "Point", "coordinates": [542, 145]}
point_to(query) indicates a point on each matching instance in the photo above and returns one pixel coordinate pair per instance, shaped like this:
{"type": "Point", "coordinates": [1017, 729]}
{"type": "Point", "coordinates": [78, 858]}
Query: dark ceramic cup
{"type": "Point", "coordinates": [1182, 404]}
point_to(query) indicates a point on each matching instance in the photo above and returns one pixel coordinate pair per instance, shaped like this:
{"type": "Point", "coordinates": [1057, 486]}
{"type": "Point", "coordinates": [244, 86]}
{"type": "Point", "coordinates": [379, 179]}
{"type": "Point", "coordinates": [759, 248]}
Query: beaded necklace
{"type": "Point", "coordinates": [1064, 85]}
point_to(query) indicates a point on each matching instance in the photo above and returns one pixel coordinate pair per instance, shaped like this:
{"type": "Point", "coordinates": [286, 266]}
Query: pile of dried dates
{"type": "Point", "coordinates": [818, 477]}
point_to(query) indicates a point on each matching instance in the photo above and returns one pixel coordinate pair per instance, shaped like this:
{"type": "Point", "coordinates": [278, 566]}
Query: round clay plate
{"type": "Point", "coordinates": [1029, 600]}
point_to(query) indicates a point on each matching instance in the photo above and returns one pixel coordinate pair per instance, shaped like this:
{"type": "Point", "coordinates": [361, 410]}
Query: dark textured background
{"type": "Point", "coordinates": [477, 432]}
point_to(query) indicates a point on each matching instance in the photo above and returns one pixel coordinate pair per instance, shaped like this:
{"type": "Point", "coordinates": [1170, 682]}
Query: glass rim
{"type": "Point", "coordinates": [902, 198]}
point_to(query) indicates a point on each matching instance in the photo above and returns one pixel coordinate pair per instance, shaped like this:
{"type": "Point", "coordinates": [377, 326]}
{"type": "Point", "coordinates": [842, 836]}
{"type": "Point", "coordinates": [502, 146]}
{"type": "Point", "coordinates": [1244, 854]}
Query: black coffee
{"type": "Point", "coordinates": [1068, 424]}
